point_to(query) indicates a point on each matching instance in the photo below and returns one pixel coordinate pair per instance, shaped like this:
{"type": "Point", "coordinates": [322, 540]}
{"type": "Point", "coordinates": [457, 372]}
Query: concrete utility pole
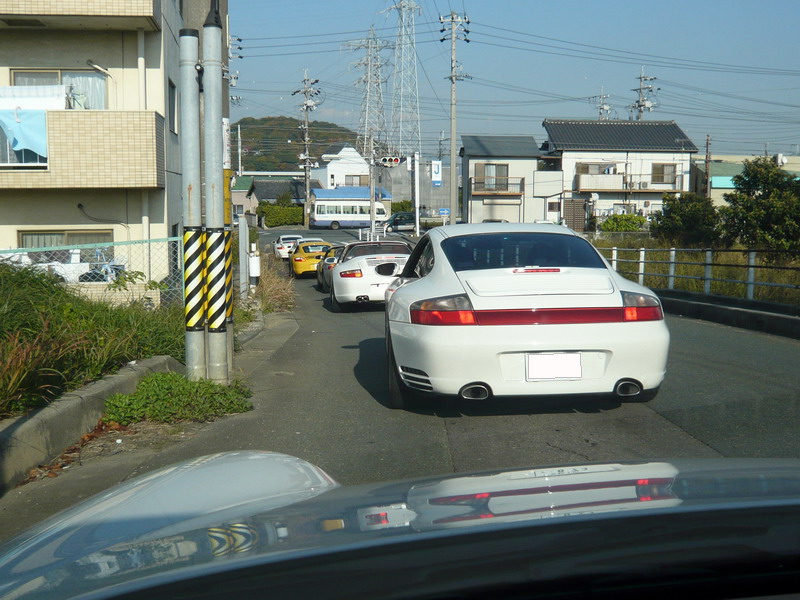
{"type": "Point", "coordinates": [215, 203]}
{"type": "Point", "coordinates": [643, 103]}
{"type": "Point", "coordinates": [306, 159]}
{"type": "Point", "coordinates": [457, 31]}
{"type": "Point", "coordinates": [371, 163]}
{"type": "Point", "coordinates": [193, 236]}
{"type": "Point", "coordinates": [708, 167]}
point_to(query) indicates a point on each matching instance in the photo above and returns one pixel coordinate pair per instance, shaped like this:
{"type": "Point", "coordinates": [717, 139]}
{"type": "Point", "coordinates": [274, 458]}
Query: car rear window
{"type": "Point", "coordinates": [366, 249]}
{"type": "Point", "coordinates": [309, 248]}
{"type": "Point", "coordinates": [524, 249]}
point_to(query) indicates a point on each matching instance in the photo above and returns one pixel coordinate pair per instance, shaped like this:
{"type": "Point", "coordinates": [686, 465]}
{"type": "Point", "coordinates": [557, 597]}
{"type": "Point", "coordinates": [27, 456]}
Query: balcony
{"type": "Point", "coordinates": [127, 15]}
{"type": "Point", "coordinates": [497, 186]}
{"type": "Point", "coordinates": [628, 184]}
{"type": "Point", "coordinates": [95, 149]}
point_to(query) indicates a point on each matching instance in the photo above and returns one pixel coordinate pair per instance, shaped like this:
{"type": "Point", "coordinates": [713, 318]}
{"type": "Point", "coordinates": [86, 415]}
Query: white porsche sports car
{"type": "Point", "coordinates": [519, 310]}
{"type": "Point", "coordinates": [355, 278]}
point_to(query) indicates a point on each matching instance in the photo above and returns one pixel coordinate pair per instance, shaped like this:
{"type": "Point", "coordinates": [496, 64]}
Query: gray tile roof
{"type": "Point", "coordinates": [266, 190]}
{"type": "Point", "coordinates": [643, 136]}
{"type": "Point", "coordinates": [511, 146]}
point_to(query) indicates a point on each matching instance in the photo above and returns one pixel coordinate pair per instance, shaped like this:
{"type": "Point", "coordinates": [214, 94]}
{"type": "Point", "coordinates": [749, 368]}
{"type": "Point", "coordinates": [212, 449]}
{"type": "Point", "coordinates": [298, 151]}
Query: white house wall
{"type": "Point", "coordinates": [347, 162]}
{"type": "Point", "coordinates": [527, 210]}
{"type": "Point", "coordinates": [636, 169]}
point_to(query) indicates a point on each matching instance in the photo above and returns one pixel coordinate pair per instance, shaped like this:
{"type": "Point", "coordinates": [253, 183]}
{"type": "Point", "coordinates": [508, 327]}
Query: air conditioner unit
{"type": "Point", "coordinates": [643, 185]}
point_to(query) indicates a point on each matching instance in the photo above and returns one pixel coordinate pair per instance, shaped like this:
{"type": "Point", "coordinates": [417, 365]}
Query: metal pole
{"type": "Point", "coordinates": [416, 194]}
{"type": "Point", "coordinates": [227, 175]}
{"type": "Point", "coordinates": [707, 272]}
{"type": "Point", "coordinates": [194, 302]}
{"type": "Point", "coordinates": [641, 265]}
{"type": "Point", "coordinates": [371, 160]}
{"type": "Point", "coordinates": [671, 279]}
{"type": "Point", "coordinates": [215, 206]}
{"type": "Point", "coordinates": [244, 258]}
{"type": "Point", "coordinates": [751, 274]}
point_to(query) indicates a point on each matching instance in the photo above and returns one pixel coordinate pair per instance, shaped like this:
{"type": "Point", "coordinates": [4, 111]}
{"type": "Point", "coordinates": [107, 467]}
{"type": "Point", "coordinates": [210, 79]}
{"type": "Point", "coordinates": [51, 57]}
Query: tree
{"type": "Point", "coordinates": [284, 199]}
{"type": "Point", "coordinates": [764, 211]}
{"type": "Point", "coordinates": [688, 220]}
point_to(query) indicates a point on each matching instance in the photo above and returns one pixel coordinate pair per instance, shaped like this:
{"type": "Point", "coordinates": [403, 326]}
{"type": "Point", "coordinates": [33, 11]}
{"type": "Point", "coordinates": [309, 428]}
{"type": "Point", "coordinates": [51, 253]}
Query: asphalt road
{"type": "Point", "coordinates": [319, 383]}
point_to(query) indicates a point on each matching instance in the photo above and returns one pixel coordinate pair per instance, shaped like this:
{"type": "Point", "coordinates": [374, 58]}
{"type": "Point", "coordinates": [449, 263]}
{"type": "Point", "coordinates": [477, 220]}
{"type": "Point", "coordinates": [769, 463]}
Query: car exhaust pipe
{"type": "Point", "coordinates": [627, 388]}
{"type": "Point", "coordinates": [475, 391]}
{"type": "Point", "coordinates": [362, 299]}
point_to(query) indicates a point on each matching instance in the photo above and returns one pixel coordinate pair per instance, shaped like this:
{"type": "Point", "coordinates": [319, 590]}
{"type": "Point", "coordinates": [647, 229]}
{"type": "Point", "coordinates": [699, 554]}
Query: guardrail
{"type": "Point", "coordinates": [771, 276]}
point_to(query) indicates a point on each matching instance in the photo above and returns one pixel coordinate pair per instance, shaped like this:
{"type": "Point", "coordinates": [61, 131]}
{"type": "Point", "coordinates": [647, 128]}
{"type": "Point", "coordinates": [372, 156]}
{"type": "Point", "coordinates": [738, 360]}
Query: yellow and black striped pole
{"type": "Point", "coordinates": [215, 267]}
{"type": "Point", "coordinates": [194, 301]}
{"type": "Point", "coordinates": [228, 208]}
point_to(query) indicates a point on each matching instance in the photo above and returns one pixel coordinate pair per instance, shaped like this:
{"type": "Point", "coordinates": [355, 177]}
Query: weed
{"type": "Point", "coordinates": [170, 398]}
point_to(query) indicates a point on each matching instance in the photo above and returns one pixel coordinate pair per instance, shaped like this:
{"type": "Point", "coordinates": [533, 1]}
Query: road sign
{"type": "Point", "coordinates": [444, 212]}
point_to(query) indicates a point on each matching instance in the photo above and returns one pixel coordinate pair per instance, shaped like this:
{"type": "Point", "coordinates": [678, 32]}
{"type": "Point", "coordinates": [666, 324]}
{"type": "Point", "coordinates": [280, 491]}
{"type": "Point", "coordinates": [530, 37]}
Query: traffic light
{"type": "Point", "coordinates": [390, 161]}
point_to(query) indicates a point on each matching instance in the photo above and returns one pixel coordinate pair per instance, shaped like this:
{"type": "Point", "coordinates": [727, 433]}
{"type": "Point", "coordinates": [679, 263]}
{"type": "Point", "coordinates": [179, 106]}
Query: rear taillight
{"type": "Point", "coordinates": [447, 310]}
{"type": "Point", "coordinates": [641, 307]}
{"type": "Point", "coordinates": [299, 259]}
{"type": "Point", "coordinates": [351, 273]}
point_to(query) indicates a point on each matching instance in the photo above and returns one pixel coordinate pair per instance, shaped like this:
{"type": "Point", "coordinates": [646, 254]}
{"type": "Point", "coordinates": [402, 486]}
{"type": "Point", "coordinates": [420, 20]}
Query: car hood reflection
{"type": "Point", "coordinates": [207, 513]}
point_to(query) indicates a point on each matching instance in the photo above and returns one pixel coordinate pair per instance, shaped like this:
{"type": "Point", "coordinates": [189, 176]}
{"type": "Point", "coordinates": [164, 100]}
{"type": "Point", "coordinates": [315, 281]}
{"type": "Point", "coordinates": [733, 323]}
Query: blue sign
{"type": "Point", "coordinates": [444, 212]}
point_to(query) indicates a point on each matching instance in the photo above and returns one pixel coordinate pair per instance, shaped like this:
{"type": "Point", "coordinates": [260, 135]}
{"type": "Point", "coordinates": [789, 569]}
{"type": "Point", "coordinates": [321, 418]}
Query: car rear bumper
{"type": "Point", "coordinates": [360, 289]}
{"type": "Point", "coordinates": [450, 357]}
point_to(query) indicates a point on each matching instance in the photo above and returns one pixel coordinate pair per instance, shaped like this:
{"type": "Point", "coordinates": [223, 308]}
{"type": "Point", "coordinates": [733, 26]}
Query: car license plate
{"type": "Point", "coordinates": [561, 365]}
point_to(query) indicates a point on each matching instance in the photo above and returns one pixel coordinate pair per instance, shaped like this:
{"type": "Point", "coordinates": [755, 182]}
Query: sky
{"type": "Point", "coordinates": [728, 69]}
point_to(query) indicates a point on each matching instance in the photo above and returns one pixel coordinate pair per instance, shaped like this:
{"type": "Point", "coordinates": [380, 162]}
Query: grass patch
{"type": "Point", "coordinates": [275, 289]}
{"type": "Point", "coordinates": [171, 398]}
{"type": "Point", "coordinates": [728, 273]}
{"type": "Point", "coordinates": [52, 340]}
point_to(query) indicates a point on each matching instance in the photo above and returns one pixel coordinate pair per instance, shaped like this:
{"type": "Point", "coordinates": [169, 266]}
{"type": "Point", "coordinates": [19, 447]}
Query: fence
{"type": "Point", "coordinates": [149, 271]}
{"type": "Point", "coordinates": [755, 275]}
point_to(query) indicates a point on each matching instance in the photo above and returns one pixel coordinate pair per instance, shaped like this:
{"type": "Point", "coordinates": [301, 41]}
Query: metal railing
{"type": "Point", "coordinates": [497, 185]}
{"type": "Point", "coordinates": [771, 276]}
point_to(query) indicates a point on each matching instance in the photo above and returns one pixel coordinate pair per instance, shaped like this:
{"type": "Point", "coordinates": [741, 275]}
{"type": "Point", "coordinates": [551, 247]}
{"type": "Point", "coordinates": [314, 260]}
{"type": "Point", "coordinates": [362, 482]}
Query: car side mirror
{"type": "Point", "coordinates": [386, 269]}
{"type": "Point", "coordinates": [330, 260]}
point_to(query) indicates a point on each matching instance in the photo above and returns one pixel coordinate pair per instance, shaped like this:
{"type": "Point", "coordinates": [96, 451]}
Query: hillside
{"type": "Point", "coordinates": [274, 143]}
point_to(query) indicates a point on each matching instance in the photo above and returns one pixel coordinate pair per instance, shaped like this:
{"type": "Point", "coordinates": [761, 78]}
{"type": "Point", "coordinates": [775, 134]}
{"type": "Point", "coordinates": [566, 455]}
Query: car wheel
{"type": "Point", "coordinates": [399, 396]}
{"type": "Point", "coordinates": [336, 306]}
{"type": "Point", "coordinates": [335, 225]}
{"type": "Point", "coordinates": [389, 229]}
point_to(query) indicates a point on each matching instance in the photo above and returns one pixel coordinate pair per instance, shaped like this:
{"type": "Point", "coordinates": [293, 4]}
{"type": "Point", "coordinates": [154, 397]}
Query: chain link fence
{"type": "Point", "coordinates": [147, 271]}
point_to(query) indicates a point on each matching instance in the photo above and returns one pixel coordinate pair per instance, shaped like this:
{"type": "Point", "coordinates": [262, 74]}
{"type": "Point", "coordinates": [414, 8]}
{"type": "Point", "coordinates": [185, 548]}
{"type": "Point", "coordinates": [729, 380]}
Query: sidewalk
{"type": "Point", "coordinates": [49, 433]}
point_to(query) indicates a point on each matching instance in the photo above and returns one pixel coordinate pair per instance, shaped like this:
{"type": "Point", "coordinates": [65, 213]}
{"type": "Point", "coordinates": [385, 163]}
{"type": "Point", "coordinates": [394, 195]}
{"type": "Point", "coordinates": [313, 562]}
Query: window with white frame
{"type": "Point", "coordinates": [356, 180]}
{"type": "Point", "coordinates": [663, 173]}
{"type": "Point", "coordinates": [491, 176]}
{"type": "Point", "coordinates": [595, 169]}
{"type": "Point", "coordinates": [87, 87]}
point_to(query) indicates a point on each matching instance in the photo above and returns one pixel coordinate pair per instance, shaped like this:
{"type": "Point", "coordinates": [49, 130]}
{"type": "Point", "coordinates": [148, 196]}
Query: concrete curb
{"type": "Point", "coordinates": [754, 316]}
{"type": "Point", "coordinates": [39, 437]}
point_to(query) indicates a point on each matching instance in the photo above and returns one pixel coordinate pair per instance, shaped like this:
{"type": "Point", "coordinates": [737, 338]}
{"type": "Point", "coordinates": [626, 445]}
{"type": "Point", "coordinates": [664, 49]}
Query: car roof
{"type": "Point", "coordinates": [477, 228]}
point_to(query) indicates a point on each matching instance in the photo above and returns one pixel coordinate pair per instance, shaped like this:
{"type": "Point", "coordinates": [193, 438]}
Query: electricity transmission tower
{"type": "Point", "coordinates": [643, 103]}
{"type": "Point", "coordinates": [405, 137]}
{"type": "Point", "coordinates": [373, 120]}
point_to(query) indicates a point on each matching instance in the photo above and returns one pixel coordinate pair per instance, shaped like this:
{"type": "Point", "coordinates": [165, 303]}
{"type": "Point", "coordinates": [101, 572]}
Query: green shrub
{"type": "Point", "coordinates": [402, 206]}
{"type": "Point", "coordinates": [278, 216]}
{"type": "Point", "coordinates": [170, 397]}
{"type": "Point", "coordinates": [620, 223]}
{"type": "Point", "coordinates": [52, 340]}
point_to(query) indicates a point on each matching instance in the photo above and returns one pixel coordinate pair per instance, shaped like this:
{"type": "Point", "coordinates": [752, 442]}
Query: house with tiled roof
{"type": "Point", "coordinates": [270, 189]}
{"type": "Point", "coordinates": [497, 174]}
{"type": "Point", "coordinates": [614, 166]}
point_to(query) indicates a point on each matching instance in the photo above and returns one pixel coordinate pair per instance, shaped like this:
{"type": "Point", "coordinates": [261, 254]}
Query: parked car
{"type": "Point", "coordinates": [519, 310]}
{"type": "Point", "coordinates": [400, 221]}
{"type": "Point", "coordinates": [355, 278]}
{"type": "Point", "coordinates": [275, 526]}
{"type": "Point", "coordinates": [305, 256]}
{"type": "Point", "coordinates": [284, 244]}
{"type": "Point", "coordinates": [325, 267]}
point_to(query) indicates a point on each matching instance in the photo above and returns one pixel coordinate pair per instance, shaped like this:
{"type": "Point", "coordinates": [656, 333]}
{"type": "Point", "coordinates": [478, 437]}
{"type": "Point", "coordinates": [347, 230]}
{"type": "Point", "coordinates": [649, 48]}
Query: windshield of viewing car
{"type": "Point", "coordinates": [511, 250]}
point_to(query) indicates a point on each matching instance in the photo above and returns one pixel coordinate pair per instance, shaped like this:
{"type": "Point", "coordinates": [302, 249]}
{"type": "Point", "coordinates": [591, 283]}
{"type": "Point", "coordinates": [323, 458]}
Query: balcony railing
{"type": "Point", "coordinates": [484, 186]}
{"type": "Point", "coordinates": [622, 183]}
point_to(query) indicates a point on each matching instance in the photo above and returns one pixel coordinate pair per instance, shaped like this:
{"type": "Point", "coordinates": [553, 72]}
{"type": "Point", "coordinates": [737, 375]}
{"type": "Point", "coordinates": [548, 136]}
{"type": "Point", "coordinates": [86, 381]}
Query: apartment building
{"type": "Point", "coordinates": [89, 123]}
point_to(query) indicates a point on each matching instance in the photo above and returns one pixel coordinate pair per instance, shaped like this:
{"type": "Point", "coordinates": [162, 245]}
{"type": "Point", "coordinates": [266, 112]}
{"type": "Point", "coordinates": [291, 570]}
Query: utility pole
{"type": "Point", "coordinates": [306, 159]}
{"type": "Point", "coordinates": [371, 162]}
{"type": "Point", "coordinates": [643, 103]}
{"type": "Point", "coordinates": [239, 148]}
{"type": "Point", "coordinates": [708, 167]}
{"type": "Point", "coordinates": [603, 108]}
{"type": "Point", "coordinates": [457, 31]}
